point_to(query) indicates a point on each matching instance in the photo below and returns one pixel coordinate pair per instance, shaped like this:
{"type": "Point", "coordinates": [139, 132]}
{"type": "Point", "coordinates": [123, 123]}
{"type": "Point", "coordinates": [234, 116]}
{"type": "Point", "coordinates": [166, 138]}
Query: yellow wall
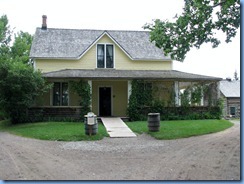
{"type": "Point", "coordinates": [46, 98]}
{"type": "Point", "coordinates": [88, 61]}
{"type": "Point", "coordinates": [119, 96]}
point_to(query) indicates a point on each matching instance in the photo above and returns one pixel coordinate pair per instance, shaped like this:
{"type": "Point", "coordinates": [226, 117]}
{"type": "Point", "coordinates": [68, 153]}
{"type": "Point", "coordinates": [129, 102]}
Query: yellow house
{"type": "Point", "coordinates": [109, 60]}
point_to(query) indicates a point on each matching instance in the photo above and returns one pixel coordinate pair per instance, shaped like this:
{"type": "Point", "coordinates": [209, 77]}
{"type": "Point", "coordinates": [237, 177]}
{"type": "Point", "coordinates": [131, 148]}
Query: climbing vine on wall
{"type": "Point", "coordinates": [144, 99]}
{"type": "Point", "coordinates": [192, 95]}
{"type": "Point", "coordinates": [83, 89]}
{"type": "Point", "coordinates": [141, 97]}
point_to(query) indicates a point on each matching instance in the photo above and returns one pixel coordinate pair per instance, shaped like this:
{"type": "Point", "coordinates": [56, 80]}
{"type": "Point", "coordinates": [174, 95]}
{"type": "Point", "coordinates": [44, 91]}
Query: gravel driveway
{"type": "Point", "coordinates": [208, 157]}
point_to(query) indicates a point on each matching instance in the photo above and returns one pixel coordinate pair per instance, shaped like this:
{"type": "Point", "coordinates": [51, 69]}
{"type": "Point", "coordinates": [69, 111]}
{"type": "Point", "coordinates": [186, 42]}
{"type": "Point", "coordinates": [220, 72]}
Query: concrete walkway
{"type": "Point", "coordinates": [117, 128]}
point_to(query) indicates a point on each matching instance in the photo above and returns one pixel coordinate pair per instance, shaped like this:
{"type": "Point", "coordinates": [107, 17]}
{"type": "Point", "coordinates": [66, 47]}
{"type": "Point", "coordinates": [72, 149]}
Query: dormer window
{"type": "Point", "coordinates": [105, 56]}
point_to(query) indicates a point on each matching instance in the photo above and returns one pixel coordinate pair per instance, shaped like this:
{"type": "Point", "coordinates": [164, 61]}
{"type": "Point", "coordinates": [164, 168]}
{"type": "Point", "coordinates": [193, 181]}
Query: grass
{"type": "Point", "coordinates": [69, 131]}
{"type": "Point", "coordinates": [182, 128]}
{"type": "Point", "coordinates": [60, 131]}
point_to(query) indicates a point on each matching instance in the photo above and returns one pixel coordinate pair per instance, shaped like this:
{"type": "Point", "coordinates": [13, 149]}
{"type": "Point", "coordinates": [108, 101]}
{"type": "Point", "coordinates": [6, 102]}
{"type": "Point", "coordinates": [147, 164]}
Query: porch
{"type": "Point", "coordinates": [111, 90]}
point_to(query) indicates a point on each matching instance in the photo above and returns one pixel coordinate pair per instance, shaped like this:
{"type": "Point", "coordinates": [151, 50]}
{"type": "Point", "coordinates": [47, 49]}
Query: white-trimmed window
{"type": "Point", "coordinates": [105, 56]}
{"type": "Point", "coordinates": [60, 94]}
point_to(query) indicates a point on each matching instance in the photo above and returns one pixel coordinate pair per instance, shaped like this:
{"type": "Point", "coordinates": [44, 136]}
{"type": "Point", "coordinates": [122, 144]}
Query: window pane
{"type": "Point", "coordinates": [65, 96]}
{"type": "Point", "coordinates": [56, 94]}
{"type": "Point", "coordinates": [109, 56]}
{"type": "Point", "coordinates": [232, 111]}
{"type": "Point", "coordinates": [100, 56]}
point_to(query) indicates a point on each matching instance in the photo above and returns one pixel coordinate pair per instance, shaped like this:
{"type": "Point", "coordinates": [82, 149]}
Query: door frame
{"type": "Point", "coordinates": [111, 88]}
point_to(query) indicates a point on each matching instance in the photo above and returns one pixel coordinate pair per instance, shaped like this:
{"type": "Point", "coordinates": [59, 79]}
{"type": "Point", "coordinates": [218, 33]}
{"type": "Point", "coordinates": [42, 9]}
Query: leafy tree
{"type": "Point", "coordinates": [21, 47]}
{"type": "Point", "coordinates": [19, 83]}
{"type": "Point", "coordinates": [19, 86]}
{"type": "Point", "coordinates": [198, 24]}
{"type": "Point", "coordinates": [5, 38]}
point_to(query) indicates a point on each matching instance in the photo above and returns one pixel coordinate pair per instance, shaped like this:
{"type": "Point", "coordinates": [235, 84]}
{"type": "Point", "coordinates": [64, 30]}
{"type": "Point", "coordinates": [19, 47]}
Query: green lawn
{"type": "Point", "coordinates": [61, 131]}
{"type": "Point", "coordinates": [69, 131]}
{"type": "Point", "coordinates": [181, 128]}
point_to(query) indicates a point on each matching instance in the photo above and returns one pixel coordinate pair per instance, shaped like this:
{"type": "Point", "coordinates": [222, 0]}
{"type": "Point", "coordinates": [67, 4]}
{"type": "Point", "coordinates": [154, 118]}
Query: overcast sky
{"type": "Point", "coordinates": [26, 15]}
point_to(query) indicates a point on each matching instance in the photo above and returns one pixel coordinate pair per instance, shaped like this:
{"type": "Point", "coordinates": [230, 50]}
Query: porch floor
{"type": "Point", "coordinates": [117, 128]}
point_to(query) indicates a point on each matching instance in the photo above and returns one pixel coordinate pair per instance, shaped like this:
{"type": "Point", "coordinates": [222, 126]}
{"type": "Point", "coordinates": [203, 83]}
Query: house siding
{"type": "Point", "coordinates": [233, 102]}
{"type": "Point", "coordinates": [88, 61]}
{"type": "Point", "coordinates": [119, 96]}
{"type": "Point", "coordinates": [230, 102]}
{"type": "Point", "coordinates": [46, 99]}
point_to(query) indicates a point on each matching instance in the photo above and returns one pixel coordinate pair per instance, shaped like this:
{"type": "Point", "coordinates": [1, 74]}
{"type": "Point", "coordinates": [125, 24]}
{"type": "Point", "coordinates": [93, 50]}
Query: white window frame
{"type": "Point", "coordinates": [105, 54]}
{"type": "Point", "coordinates": [61, 86]}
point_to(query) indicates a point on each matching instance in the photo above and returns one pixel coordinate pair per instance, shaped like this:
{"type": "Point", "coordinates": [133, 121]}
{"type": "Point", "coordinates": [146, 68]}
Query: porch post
{"type": "Point", "coordinates": [176, 87]}
{"type": "Point", "coordinates": [90, 84]}
{"type": "Point", "coordinates": [202, 99]}
{"type": "Point", "coordinates": [129, 89]}
{"type": "Point", "coordinates": [218, 91]}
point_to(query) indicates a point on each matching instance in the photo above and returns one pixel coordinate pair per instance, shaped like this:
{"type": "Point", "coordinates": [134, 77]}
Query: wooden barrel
{"type": "Point", "coordinates": [153, 120]}
{"type": "Point", "coordinates": [91, 129]}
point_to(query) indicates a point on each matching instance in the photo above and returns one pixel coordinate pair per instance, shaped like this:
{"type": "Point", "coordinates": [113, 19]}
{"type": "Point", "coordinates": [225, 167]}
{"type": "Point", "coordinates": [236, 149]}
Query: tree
{"type": "Point", "coordinates": [19, 86]}
{"type": "Point", "coordinates": [198, 24]}
{"type": "Point", "coordinates": [5, 38]}
{"type": "Point", "coordinates": [235, 76]}
{"type": "Point", "coordinates": [19, 83]}
{"type": "Point", "coordinates": [21, 47]}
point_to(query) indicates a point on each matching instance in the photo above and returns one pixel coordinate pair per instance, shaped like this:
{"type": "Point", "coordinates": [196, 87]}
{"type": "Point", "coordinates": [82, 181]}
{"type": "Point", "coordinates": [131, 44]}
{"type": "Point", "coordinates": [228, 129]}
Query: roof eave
{"type": "Point", "coordinates": [55, 58]}
{"type": "Point", "coordinates": [149, 59]}
{"type": "Point", "coordinates": [78, 58]}
{"type": "Point", "coordinates": [57, 74]}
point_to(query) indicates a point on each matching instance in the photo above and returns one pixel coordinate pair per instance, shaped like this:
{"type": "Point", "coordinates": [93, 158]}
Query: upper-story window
{"type": "Point", "coordinates": [105, 56]}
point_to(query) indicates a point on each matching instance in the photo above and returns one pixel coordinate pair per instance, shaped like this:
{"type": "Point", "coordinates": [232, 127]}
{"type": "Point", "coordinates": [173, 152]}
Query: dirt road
{"type": "Point", "coordinates": [208, 157]}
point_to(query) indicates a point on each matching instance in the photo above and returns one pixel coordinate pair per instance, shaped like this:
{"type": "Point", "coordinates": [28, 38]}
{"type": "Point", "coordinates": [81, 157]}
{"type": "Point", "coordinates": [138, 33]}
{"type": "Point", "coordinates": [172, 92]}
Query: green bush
{"type": "Point", "coordinates": [19, 86]}
{"type": "Point", "coordinates": [142, 102]}
{"type": "Point", "coordinates": [83, 89]}
{"type": "Point", "coordinates": [178, 113]}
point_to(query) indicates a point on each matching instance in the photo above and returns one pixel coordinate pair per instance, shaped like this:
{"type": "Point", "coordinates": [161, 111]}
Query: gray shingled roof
{"type": "Point", "coordinates": [230, 88]}
{"type": "Point", "coordinates": [72, 43]}
{"type": "Point", "coordinates": [128, 74]}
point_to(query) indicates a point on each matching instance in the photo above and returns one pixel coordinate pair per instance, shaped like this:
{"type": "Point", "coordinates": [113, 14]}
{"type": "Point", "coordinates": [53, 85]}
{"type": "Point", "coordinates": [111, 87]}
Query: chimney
{"type": "Point", "coordinates": [44, 22]}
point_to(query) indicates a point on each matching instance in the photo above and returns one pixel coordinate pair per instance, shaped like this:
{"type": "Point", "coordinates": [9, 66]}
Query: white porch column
{"type": "Point", "coordinates": [202, 99]}
{"type": "Point", "coordinates": [129, 89]}
{"type": "Point", "coordinates": [176, 86]}
{"type": "Point", "coordinates": [90, 84]}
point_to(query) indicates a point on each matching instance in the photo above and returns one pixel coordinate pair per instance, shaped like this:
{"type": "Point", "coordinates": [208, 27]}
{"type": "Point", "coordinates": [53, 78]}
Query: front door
{"type": "Point", "coordinates": [105, 101]}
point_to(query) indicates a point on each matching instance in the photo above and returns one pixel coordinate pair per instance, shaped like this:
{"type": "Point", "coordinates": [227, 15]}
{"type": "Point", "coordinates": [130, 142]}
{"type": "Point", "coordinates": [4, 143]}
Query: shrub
{"type": "Point", "coordinates": [19, 86]}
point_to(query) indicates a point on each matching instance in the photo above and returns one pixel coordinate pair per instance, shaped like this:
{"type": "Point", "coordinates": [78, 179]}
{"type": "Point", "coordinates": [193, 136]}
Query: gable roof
{"type": "Point", "coordinates": [230, 88]}
{"type": "Point", "coordinates": [73, 43]}
{"type": "Point", "coordinates": [128, 74]}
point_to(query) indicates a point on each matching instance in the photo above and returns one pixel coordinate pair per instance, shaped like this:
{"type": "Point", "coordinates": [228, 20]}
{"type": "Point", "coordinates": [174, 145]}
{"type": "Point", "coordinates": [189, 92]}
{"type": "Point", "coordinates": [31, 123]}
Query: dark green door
{"type": "Point", "coordinates": [105, 101]}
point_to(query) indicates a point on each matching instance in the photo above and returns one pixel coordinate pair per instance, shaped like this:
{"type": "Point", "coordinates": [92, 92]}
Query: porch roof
{"type": "Point", "coordinates": [128, 74]}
